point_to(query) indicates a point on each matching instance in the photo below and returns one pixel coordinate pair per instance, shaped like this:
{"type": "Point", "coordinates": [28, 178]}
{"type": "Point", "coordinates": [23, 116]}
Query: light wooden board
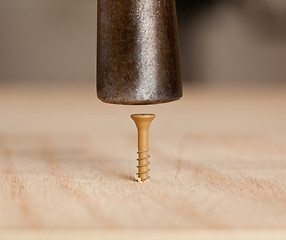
{"type": "Point", "coordinates": [218, 163]}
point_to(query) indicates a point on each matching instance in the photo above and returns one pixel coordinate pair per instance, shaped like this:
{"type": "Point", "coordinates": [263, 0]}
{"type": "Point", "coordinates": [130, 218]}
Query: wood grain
{"type": "Point", "coordinates": [68, 161]}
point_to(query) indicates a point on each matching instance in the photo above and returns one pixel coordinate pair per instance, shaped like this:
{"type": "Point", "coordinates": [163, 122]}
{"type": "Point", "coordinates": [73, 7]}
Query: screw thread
{"type": "Point", "coordinates": [143, 163]}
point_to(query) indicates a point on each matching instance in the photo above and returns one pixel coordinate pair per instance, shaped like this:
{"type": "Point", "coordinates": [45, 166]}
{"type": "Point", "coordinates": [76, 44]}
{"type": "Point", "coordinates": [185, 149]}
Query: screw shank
{"type": "Point", "coordinates": [143, 155]}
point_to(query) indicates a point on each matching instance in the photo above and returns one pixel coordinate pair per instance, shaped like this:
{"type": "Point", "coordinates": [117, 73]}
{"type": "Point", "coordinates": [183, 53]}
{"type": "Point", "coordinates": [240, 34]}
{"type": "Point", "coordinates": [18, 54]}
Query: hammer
{"type": "Point", "coordinates": [137, 52]}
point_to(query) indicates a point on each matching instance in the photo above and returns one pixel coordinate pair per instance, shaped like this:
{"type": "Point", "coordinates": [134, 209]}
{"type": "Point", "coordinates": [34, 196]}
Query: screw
{"type": "Point", "coordinates": [143, 122]}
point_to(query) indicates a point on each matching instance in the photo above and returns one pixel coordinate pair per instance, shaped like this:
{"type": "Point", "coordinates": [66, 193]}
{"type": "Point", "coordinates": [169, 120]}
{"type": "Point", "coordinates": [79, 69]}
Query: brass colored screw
{"type": "Point", "coordinates": [143, 122]}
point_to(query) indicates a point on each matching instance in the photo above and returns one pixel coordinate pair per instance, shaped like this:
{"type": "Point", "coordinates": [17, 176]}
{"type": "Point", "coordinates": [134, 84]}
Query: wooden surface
{"type": "Point", "coordinates": [68, 161]}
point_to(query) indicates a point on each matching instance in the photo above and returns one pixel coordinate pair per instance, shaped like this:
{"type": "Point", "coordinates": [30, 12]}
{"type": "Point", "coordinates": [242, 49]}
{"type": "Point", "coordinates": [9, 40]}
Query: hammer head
{"type": "Point", "coordinates": [137, 52]}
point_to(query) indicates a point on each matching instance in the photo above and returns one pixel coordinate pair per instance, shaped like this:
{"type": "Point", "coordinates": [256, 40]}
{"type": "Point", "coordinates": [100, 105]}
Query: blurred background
{"type": "Point", "coordinates": [239, 42]}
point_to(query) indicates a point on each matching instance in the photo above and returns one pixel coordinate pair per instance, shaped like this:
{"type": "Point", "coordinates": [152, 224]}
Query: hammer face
{"type": "Point", "coordinates": [137, 52]}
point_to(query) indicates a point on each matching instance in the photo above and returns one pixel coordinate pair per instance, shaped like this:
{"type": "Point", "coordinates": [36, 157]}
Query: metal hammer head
{"type": "Point", "coordinates": [137, 52]}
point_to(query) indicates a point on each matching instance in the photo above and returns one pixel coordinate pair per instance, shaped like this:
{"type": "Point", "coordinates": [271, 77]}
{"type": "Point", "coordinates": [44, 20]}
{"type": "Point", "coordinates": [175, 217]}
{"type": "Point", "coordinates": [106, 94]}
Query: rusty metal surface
{"type": "Point", "coordinates": [137, 53]}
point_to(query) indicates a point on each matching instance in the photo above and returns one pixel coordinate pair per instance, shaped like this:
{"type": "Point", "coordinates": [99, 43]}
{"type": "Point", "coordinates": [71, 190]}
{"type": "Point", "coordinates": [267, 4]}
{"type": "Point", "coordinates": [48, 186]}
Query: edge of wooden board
{"type": "Point", "coordinates": [68, 234]}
